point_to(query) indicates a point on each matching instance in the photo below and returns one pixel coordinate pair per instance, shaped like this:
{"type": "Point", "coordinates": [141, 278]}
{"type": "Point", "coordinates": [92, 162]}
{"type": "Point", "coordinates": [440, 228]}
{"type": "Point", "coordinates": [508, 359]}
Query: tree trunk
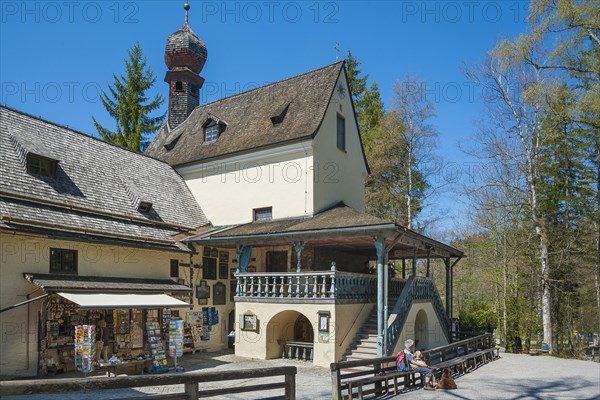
{"type": "Point", "coordinates": [410, 183]}
{"type": "Point", "coordinates": [598, 228]}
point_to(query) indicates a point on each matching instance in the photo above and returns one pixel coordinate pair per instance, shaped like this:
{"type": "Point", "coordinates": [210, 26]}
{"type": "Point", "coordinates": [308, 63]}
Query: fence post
{"type": "Point", "coordinates": [191, 389]}
{"type": "Point", "coordinates": [336, 389]}
{"type": "Point", "coordinates": [290, 386]}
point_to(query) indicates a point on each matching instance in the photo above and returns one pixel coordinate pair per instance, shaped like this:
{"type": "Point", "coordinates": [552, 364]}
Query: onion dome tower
{"type": "Point", "coordinates": [185, 55]}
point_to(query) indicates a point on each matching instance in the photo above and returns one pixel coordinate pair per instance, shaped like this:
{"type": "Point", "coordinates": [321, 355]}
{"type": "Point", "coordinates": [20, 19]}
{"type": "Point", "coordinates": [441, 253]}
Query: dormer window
{"type": "Point", "coordinates": [39, 165]}
{"type": "Point", "coordinates": [280, 115]}
{"type": "Point", "coordinates": [211, 132]}
{"type": "Point", "coordinates": [144, 207]}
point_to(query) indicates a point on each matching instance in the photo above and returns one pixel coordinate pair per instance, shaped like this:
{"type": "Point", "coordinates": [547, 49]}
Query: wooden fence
{"type": "Point", "coordinates": [190, 381]}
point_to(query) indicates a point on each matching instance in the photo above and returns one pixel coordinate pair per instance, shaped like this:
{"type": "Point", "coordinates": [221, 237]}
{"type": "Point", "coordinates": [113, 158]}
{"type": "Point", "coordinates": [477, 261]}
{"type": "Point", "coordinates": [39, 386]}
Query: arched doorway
{"type": "Point", "coordinates": [421, 331]}
{"type": "Point", "coordinates": [290, 334]}
{"type": "Point", "coordinates": [303, 330]}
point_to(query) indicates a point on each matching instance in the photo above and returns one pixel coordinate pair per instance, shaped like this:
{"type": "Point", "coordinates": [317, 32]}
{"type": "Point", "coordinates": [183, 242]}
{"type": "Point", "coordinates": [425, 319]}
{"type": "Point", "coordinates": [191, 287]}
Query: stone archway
{"type": "Point", "coordinates": [421, 331]}
{"type": "Point", "coordinates": [287, 326]}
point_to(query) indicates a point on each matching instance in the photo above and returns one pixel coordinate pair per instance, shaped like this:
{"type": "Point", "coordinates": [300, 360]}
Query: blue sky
{"type": "Point", "coordinates": [56, 55]}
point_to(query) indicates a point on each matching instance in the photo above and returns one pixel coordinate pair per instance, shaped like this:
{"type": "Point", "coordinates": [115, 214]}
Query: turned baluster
{"type": "Point", "coordinates": [245, 286]}
{"type": "Point", "coordinates": [251, 286]}
{"type": "Point", "coordinates": [306, 279]}
{"type": "Point", "coordinates": [274, 291]}
{"type": "Point", "coordinates": [315, 285]}
{"type": "Point", "coordinates": [290, 286]}
{"type": "Point", "coordinates": [281, 289]}
{"type": "Point", "coordinates": [259, 289]}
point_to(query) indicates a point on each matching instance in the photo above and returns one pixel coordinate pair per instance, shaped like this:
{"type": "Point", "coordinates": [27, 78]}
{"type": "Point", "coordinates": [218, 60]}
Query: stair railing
{"type": "Point", "coordinates": [416, 288]}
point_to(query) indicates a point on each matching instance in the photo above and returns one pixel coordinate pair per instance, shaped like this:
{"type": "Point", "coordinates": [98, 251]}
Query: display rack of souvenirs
{"type": "Point", "coordinates": [85, 345]}
{"type": "Point", "coordinates": [176, 341]}
{"type": "Point", "coordinates": [166, 317]}
{"type": "Point", "coordinates": [155, 347]}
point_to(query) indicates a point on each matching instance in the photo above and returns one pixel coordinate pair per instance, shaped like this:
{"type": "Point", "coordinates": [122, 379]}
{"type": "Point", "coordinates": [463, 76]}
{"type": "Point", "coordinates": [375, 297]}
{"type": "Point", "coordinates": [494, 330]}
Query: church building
{"type": "Point", "coordinates": [245, 218]}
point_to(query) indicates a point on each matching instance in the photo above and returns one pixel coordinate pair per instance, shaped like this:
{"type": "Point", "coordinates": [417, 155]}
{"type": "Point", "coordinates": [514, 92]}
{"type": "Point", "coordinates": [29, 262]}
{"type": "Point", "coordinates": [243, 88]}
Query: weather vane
{"type": "Point", "coordinates": [186, 7]}
{"type": "Point", "coordinates": [337, 50]}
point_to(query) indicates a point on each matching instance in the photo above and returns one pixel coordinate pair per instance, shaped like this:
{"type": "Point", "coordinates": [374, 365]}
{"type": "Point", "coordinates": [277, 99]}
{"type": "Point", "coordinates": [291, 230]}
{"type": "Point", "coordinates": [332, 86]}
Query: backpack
{"type": "Point", "coordinates": [401, 361]}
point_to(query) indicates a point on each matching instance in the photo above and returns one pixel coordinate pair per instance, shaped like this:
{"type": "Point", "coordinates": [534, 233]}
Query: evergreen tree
{"type": "Point", "coordinates": [126, 104]}
{"type": "Point", "coordinates": [367, 102]}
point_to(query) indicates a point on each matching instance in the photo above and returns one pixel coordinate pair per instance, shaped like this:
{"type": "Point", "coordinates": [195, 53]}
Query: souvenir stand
{"type": "Point", "coordinates": [85, 345]}
{"type": "Point", "coordinates": [176, 342]}
{"type": "Point", "coordinates": [155, 347]}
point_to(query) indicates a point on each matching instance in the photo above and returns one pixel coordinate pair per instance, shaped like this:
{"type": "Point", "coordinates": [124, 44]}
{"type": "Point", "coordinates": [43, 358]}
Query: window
{"type": "Point", "coordinates": [211, 132]}
{"type": "Point", "coordinates": [63, 261]}
{"type": "Point", "coordinates": [174, 268]}
{"type": "Point", "coordinates": [179, 86]}
{"type": "Point", "coordinates": [144, 207]}
{"type": "Point", "coordinates": [263, 214]}
{"type": "Point", "coordinates": [39, 165]}
{"type": "Point", "coordinates": [341, 133]}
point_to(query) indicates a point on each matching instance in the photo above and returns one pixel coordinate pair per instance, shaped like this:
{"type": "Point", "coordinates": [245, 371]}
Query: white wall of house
{"type": "Point", "coordinates": [423, 326]}
{"type": "Point", "coordinates": [19, 254]}
{"type": "Point", "coordinates": [276, 325]}
{"type": "Point", "coordinates": [339, 175]}
{"type": "Point", "coordinates": [229, 189]}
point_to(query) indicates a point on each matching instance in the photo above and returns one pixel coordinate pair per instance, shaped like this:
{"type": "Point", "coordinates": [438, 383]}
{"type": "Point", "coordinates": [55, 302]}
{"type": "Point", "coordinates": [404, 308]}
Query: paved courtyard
{"type": "Point", "coordinates": [512, 377]}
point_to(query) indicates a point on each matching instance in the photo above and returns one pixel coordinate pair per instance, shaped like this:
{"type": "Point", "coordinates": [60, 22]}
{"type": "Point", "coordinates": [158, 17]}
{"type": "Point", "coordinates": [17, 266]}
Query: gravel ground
{"type": "Point", "coordinates": [511, 377]}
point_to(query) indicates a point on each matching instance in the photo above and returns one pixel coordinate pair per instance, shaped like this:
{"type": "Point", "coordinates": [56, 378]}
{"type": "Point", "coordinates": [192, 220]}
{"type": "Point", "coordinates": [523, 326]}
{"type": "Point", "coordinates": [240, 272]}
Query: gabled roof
{"type": "Point", "coordinates": [97, 188]}
{"type": "Point", "coordinates": [248, 116]}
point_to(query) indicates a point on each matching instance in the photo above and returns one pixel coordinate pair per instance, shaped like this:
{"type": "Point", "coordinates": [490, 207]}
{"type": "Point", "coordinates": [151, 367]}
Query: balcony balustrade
{"type": "Point", "coordinates": [310, 286]}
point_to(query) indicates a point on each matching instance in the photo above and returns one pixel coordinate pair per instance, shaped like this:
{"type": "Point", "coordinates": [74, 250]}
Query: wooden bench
{"type": "Point", "coordinates": [481, 357]}
{"type": "Point", "coordinates": [353, 378]}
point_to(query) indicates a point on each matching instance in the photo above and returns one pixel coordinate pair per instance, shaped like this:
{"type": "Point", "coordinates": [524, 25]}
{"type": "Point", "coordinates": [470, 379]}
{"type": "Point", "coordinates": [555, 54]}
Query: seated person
{"type": "Point", "coordinates": [416, 364]}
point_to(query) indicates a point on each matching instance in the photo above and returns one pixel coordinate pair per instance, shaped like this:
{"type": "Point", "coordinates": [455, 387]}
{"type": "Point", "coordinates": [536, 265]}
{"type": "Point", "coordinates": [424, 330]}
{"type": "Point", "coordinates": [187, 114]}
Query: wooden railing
{"type": "Point", "coordinates": [190, 380]}
{"type": "Point", "coordinates": [460, 348]}
{"type": "Point", "coordinates": [416, 288]}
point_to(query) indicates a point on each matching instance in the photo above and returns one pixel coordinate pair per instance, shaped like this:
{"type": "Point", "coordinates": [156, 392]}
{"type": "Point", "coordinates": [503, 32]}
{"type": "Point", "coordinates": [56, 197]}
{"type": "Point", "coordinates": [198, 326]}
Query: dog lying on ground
{"type": "Point", "coordinates": [446, 381]}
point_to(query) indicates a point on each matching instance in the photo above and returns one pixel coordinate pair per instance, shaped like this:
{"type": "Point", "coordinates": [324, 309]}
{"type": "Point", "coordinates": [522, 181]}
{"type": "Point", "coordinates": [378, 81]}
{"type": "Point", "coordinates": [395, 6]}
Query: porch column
{"type": "Point", "coordinates": [448, 287]}
{"type": "Point", "coordinates": [298, 247]}
{"type": "Point", "coordinates": [428, 263]}
{"type": "Point", "coordinates": [386, 282]}
{"type": "Point", "coordinates": [404, 268]}
{"type": "Point", "coordinates": [380, 247]}
{"type": "Point", "coordinates": [414, 263]}
{"type": "Point", "coordinates": [243, 254]}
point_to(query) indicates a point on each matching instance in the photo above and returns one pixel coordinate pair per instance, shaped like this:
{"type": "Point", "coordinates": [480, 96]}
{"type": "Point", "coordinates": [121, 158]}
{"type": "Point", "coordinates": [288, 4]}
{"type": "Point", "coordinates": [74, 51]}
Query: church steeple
{"type": "Point", "coordinates": [185, 55]}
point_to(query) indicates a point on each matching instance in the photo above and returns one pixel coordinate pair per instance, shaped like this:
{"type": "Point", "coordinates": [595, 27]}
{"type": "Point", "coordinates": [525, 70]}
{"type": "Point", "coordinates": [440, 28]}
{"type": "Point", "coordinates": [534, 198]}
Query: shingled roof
{"type": "Point", "coordinates": [97, 189]}
{"type": "Point", "coordinates": [248, 121]}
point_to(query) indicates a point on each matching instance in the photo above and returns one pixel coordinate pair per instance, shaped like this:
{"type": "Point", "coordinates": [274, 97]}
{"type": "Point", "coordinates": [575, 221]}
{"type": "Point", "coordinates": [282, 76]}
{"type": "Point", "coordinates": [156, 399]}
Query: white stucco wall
{"type": "Point", "coordinates": [228, 190]}
{"type": "Point", "coordinates": [427, 335]}
{"type": "Point", "coordinates": [276, 324]}
{"type": "Point", "coordinates": [339, 175]}
{"type": "Point", "coordinates": [19, 254]}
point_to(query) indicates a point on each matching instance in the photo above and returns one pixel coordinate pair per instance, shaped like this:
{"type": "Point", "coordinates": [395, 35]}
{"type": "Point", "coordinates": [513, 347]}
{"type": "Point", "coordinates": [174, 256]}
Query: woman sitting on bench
{"type": "Point", "coordinates": [406, 357]}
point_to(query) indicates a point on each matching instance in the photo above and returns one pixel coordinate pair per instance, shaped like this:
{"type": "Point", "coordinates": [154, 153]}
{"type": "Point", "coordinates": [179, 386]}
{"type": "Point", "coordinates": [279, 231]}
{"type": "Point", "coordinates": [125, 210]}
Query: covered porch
{"type": "Point", "coordinates": [336, 261]}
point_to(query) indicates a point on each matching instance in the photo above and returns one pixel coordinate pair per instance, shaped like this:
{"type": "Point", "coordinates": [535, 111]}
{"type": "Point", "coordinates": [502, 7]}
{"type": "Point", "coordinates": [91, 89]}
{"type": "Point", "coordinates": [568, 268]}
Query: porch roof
{"type": "Point", "coordinates": [55, 283]}
{"type": "Point", "coordinates": [340, 226]}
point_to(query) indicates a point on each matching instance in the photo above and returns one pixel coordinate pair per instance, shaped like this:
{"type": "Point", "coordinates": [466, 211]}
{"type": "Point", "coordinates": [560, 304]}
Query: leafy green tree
{"type": "Point", "coordinates": [127, 105]}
